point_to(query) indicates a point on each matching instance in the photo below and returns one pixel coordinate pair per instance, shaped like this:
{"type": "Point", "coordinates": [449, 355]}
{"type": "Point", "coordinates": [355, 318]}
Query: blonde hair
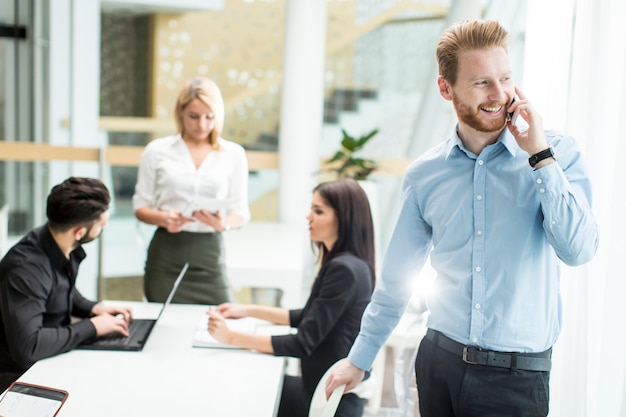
{"type": "Point", "coordinates": [208, 92]}
{"type": "Point", "coordinates": [464, 36]}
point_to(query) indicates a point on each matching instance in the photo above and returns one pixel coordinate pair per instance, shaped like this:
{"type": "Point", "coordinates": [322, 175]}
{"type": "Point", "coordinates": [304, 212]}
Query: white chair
{"type": "Point", "coordinates": [404, 335]}
{"type": "Point", "coordinates": [319, 406]}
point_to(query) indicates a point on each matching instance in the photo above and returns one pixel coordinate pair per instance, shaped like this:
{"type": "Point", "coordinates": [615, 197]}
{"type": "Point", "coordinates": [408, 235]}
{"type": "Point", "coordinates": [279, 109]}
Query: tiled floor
{"type": "Point", "coordinates": [131, 289]}
{"type": "Point", "coordinates": [123, 288]}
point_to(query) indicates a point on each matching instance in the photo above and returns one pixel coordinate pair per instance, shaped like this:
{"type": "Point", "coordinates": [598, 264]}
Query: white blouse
{"type": "Point", "coordinates": [168, 180]}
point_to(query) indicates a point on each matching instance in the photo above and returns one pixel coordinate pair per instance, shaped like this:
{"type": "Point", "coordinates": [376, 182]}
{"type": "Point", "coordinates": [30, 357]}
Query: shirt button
{"type": "Point", "coordinates": [477, 306]}
{"type": "Point", "coordinates": [542, 190]}
{"type": "Point", "coordinates": [539, 181]}
{"type": "Point", "coordinates": [479, 232]}
{"type": "Point", "coordinates": [479, 197]}
{"type": "Point", "coordinates": [481, 162]}
{"type": "Point", "coordinates": [475, 340]}
{"type": "Point", "coordinates": [478, 269]}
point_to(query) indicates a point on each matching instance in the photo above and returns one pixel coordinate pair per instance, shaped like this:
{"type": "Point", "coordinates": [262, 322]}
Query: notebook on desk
{"type": "Point", "coordinates": [203, 339]}
{"type": "Point", "coordinates": [138, 330]}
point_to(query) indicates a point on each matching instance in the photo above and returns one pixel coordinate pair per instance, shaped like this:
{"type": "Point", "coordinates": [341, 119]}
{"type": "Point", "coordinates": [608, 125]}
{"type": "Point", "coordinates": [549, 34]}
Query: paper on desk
{"type": "Point", "coordinates": [203, 338]}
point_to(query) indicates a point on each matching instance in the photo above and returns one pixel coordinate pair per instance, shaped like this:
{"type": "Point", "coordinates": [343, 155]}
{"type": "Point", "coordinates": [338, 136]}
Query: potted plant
{"type": "Point", "coordinates": [344, 163]}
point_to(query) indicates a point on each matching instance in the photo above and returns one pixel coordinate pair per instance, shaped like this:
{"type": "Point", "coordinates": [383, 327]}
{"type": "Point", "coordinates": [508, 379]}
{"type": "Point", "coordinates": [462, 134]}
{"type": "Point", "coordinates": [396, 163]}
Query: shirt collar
{"type": "Point", "coordinates": [179, 139]}
{"type": "Point", "coordinates": [506, 139]}
{"type": "Point", "coordinates": [509, 142]}
{"type": "Point", "coordinates": [454, 143]}
{"type": "Point", "coordinates": [55, 254]}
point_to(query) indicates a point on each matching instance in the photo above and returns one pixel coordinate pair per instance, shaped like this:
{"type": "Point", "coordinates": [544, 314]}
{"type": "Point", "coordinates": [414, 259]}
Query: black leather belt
{"type": "Point", "coordinates": [476, 356]}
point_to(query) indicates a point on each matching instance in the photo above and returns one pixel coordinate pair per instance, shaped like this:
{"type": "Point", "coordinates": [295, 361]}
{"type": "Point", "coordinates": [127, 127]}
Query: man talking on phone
{"type": "Point", "coordinates": [38, 295]}
{"type": "Point", "coordinates": [498, 208]}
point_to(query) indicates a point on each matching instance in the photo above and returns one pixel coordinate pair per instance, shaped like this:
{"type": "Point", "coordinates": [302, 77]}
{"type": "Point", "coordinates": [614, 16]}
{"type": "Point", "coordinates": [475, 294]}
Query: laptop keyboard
{"type": "Point", "coordinates": [119, 339]}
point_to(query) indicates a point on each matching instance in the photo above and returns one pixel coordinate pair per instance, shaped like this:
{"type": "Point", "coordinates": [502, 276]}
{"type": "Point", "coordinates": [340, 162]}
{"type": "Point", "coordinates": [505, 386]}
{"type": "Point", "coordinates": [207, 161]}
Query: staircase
{"type": "Point", "coordinates": [345, 100]}
{"type": "Point", "coordinates": [341, 101]}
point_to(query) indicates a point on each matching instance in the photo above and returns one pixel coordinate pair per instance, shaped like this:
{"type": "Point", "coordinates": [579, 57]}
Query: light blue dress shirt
{"type": "Point", "coordinates": [496, 231]}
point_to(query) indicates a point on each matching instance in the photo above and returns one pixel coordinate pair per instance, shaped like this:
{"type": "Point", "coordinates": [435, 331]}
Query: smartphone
{"type": "Point", "coordinates": [510, 115]}
{"type": "Point", "coordinates": [23, 399]}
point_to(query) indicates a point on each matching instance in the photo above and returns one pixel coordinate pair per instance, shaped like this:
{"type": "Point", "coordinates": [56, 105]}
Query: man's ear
{"type": "Point", "coordinates": [79, 232]}
{"type": "Point", "coordinates": [444, 88]}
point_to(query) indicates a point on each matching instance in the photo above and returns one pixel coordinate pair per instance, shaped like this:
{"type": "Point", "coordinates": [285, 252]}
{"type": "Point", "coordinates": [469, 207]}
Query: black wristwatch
{"type": "Point", "coordinates": [540, 156]}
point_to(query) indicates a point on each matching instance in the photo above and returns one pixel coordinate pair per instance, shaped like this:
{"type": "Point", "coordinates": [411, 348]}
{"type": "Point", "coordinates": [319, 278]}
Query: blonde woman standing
{"type": "Point", "coordinates": [193, 186]}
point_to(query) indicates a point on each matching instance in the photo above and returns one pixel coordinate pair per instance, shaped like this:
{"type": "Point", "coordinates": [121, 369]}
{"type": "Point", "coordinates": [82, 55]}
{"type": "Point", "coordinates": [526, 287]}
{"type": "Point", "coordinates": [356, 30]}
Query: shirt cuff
{"type": "Point", "coordinates": [362, 355]}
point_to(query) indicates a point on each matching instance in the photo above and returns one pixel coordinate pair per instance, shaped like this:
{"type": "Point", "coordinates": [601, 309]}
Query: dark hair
{"type": "Point", "coordinates": [76, 201]}
{"type": "Point", "coordinates": [464, 36]}
{"type": "Point", "coordinates": [355, 232]}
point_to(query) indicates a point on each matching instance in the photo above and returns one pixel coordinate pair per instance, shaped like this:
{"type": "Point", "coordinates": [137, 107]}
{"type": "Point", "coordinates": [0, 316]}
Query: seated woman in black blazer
{"type": "Point", "coordinates": [340, 225]}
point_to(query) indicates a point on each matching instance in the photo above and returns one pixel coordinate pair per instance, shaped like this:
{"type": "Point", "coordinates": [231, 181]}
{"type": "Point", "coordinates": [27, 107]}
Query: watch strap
{"type": "Point", "coordinates": [540, 156]}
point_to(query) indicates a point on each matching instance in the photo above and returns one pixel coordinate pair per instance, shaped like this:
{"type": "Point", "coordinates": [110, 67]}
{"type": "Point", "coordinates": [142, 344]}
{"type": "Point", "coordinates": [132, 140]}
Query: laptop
{"type": "Point", "coordinates": [138, 329]}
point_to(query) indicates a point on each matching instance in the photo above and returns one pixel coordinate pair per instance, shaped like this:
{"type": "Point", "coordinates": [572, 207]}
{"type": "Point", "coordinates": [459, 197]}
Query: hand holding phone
{"type": "Point", "coordinates": [510, 117]}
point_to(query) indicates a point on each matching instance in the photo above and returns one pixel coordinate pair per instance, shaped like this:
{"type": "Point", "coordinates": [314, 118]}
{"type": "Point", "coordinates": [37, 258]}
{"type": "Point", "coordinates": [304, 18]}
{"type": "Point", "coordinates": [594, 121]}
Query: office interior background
{"type": "Point", "coordinates": [84, 85]}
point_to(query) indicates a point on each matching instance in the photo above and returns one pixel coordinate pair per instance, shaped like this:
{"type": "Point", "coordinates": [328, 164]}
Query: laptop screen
{"type": "Point", "coordinates": [174, 288]}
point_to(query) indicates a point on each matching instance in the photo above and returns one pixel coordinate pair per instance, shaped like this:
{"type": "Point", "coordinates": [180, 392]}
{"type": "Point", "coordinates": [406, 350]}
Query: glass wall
{"type": "Point", "coordinates": [379, 62]}
{"type": "Point", "coordinates": [146, 56]}
{"type": "Point", "coordinates": [17, 110]}
{"type": "Point", "coordinates": [125, 90]}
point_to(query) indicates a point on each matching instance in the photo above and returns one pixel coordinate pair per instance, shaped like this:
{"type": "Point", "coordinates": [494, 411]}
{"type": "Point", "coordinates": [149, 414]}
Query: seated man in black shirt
{"type": "Point", "coordinates": [38, 296]}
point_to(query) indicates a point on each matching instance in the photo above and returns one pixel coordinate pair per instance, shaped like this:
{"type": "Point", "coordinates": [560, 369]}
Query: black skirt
{"type": "Point", "coordinates": [205, 281]}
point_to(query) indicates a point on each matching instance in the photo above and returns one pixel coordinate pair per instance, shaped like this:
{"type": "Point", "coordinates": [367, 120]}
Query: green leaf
{"type": "Point", "coordinates": [372, 134]}
{"type": "Point", "coordinates": [347, 165]}
{"type": "Point", "coordinates": [337, 156]}
{"type": "Point", "coordinates": [364, 139]}
{"type": "Point", "coordinates": [349, 143]}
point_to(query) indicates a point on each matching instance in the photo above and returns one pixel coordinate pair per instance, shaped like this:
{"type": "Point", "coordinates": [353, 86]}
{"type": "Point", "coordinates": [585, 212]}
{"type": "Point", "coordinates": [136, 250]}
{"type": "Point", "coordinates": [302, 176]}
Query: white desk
{"type": "Point", "coordinates": [168, 378]}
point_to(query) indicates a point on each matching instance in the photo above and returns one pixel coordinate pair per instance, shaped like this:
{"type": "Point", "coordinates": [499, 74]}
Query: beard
{"type": "Point", "coordinates": [86, 237]}
{"type": "Point", "coordinates": [470, 116]}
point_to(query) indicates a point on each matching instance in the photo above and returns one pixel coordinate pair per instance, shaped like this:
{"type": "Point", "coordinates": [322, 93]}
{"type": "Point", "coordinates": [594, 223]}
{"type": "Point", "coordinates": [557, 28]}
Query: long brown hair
{"type": "Point", "coordinates": [355, 232]}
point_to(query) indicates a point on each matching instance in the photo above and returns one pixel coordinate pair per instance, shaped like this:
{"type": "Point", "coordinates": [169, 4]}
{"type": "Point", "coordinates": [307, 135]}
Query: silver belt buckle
{"type": "Point", "coordinates": [466, 354]}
